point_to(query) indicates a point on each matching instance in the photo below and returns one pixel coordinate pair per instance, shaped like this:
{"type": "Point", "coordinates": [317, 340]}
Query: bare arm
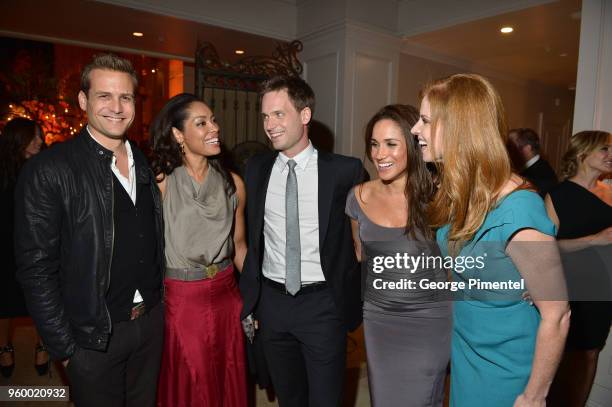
{"type": "Point", "coordinates": [240, 246]}
{"type": "Point", "coordinates": [570, 245]}
{"type": "Point", "coordinates": [537, 259]}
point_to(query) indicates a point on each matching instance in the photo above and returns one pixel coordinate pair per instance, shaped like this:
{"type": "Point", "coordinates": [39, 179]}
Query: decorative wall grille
{"type": "Point", "coordinates": [231, 91]}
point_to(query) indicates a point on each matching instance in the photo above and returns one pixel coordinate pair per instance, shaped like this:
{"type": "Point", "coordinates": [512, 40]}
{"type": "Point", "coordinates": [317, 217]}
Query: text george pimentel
{"type": "Point", "coordinates": [459, 264]}
{"type": "Point", "coordinates": [426, 284]}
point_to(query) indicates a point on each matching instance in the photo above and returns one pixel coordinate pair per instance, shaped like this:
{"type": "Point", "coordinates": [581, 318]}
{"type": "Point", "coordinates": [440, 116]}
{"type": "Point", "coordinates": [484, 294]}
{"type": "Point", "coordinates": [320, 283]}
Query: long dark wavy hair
{"type": "Point", "coordinates": [166, 153]}
{"type": "Point", "coordinates": [15, 138]}
{"type": "Point", "coordinates": [419, 185]}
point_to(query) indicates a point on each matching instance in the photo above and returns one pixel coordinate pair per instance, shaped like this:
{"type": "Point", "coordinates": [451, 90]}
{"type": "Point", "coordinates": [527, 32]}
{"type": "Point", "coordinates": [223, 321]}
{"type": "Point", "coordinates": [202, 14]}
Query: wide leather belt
{"type": "Point", "coordinates": [197, 273]}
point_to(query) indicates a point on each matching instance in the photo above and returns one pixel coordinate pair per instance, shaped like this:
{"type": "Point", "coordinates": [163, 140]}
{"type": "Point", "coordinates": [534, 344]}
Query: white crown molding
{"type": "Point", "coordinates": [350, 26]}
{"type": "Point", "coordinates": [366, 34]}
{"type": "Point", "coordinates": [94, 45]}
{"type": "Point", "coordinates": [323, 31]}
{"type": "Point", "coordinates": [171, 10]}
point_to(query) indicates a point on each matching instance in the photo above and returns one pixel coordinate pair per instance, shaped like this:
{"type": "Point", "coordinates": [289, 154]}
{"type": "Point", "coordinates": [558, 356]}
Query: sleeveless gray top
{"type": "Point", "coordinates": [198, 219]}
{"type": "Point", "coordinates": [388, 241]}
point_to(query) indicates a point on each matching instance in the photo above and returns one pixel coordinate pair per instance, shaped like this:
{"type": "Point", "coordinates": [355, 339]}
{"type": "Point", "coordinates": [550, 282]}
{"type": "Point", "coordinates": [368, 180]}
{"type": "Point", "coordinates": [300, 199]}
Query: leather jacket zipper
{"type": "Point", "coordinates": [110, 260]}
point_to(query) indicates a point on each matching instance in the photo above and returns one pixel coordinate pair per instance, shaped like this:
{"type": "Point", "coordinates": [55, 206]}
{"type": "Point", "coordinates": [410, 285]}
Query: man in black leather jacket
{"type": "Point", "coordinates": [89, 248]}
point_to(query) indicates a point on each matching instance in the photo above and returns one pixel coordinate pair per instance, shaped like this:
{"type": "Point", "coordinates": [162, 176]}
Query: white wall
{"type": "Point", "coordinates": [353, 71]}
{"type": "Point", "coordinates": [548, 110]}
{"type": "Point", "coordinates": [594, 85]}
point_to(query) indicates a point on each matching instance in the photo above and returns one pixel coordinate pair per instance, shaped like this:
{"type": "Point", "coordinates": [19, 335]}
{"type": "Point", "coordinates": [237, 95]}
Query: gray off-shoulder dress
{"type": "Point", "coordinates": [407, 331]}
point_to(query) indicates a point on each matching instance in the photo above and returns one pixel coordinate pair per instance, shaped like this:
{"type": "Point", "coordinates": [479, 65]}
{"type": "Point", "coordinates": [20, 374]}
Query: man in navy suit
{"type": "Point", "coordinates": [301, 279]}
{"type": "Point", "coordinates": [524, 147]}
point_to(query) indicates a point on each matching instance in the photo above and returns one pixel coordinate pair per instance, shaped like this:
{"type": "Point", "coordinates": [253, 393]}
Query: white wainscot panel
{"type": "Point", "coordinates": [321, 73]}
{"type": "Point", "coordinates": [371, 91]}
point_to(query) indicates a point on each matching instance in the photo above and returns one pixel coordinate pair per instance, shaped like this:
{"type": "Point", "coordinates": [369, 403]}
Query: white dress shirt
{"type": "Point", "coordinates": [532, 161]}
{"type": "Point", "coordinates": [306, 171]}
{"type": "Point", "coordinates": [129, 183]}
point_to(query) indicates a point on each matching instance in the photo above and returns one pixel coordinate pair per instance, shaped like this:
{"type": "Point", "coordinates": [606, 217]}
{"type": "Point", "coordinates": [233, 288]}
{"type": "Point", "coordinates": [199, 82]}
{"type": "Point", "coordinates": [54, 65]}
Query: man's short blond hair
{"type": "Point", "coordinates": [109, 62]}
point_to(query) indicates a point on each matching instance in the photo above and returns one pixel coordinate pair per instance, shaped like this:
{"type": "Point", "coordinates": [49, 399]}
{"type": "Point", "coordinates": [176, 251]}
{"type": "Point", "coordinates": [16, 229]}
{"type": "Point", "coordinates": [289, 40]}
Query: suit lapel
{"type": "Point", "coordinates": [326, 192]}
{"type": "Point", "coordinates": [262, 189]}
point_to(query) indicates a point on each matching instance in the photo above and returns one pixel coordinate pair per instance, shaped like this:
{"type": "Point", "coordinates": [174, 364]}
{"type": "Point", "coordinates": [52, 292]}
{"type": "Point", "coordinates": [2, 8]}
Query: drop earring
{"type": "Point", "coordinates": [182, 147]}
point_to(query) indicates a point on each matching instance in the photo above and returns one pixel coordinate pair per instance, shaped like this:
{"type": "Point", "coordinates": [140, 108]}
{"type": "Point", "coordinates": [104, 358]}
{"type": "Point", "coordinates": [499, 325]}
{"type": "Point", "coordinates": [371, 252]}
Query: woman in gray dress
{"type": "Point", "coordinates": [407, 328]}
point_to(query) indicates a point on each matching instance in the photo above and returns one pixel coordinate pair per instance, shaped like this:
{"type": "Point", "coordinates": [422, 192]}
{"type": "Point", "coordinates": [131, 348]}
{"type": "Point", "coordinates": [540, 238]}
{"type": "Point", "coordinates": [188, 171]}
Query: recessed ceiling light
{"type": "Point", "coordinates": [239, 51]}
{"type": "Point", "coordinates": [506, 30]}
{"type": "Point", "coordinates": [137, 34]}
{"type": "Point", "coordinates": [153, 70]}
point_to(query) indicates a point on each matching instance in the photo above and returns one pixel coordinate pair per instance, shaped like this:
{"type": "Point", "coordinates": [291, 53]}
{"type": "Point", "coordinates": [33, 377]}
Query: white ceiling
{"type": "Point", "coordinates": [543, 47]}
{"type": "Point", "coordinates": [106, 26]}
{"type": "Point", "coordinates": [464, 32]}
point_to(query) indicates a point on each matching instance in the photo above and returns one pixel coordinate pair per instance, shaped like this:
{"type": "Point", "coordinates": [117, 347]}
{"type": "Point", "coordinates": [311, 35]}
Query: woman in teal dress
{"type": "Point", "coordinates": [504, 351]}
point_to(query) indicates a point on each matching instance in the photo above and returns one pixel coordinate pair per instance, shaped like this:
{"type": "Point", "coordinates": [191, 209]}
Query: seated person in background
{"type": "Point", "coordinates": [524, 148]}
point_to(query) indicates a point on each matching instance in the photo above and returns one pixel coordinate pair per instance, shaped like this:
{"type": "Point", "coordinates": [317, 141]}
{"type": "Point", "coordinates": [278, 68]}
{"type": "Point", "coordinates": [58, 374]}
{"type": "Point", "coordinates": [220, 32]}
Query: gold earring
{"type": "Point", "coordinates": [182, 147]}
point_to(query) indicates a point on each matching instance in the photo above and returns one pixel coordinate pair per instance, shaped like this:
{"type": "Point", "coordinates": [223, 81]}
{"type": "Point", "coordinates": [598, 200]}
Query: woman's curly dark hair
{"type": "Point", "coordinates": [166, 153]}
{"type": "Point", "coordinates": [15, 138]}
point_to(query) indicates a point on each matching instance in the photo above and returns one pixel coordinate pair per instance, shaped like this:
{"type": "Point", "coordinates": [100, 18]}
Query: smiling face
{"type": "Point", "coordinates": [422, 129]}
{"type": "Point", "coordinates": [109, 103]}
{"type": "Point", "coordinates": [388, 150]}
{"type": "Point", "coordinates": [200, 133]}
{"type": "Point", "coordinates": [284, 125]}
{"type": "Point", "coordinates": [600, 159]}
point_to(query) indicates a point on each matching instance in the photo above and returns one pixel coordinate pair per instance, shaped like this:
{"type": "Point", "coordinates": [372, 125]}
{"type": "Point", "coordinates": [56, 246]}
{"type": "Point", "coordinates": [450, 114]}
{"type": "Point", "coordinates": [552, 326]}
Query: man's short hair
{"type": "Point", "coordinates": [300, 93]}
{"type": "Point", "coordinates": [526, 136]}
{"type": "Point", "coordinates": [109, 62]}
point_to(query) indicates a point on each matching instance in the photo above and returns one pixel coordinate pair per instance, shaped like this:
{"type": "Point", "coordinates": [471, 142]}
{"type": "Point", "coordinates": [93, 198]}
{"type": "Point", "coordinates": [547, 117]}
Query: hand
{"type": "Point", "coordinates": [527, 297]}
{"type": "Point", "coordinates": [602, 238]}
{"type": "Point", "coordinates": [523, 401]}
{"type": "Point", "coordinates": [249, 326]}
{"type": "Point", "coordinates": [65, 362]}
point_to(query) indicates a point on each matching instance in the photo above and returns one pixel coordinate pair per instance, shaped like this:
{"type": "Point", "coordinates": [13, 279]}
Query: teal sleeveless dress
{"type": "Point", "coordinates": [494, 332]}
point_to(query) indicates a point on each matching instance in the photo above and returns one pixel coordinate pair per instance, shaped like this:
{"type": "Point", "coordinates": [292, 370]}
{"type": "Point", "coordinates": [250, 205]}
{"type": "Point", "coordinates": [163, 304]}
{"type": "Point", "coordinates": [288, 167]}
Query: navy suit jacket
{"type": "Point", "coordinates": [541, 175]}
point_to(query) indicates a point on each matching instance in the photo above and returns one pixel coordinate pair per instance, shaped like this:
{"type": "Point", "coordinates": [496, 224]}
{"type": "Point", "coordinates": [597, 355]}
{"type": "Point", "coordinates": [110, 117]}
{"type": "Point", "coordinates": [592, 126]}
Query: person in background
{"type": "Point", "coordinates": [203, 363]}
{"type": "Point", "coordinates": [504, 351]}
{"type": "Point", "coordinates": [20, 140]}
{"type": "Point", "coordinates": [524, 148]}
{"type": "Point", "coordinates": [581, 207]}
{"type": "Point", "coordinates": [407, 332]}
{"type": "Point", "coordinates": [89, 247]}
{"type": "Point", "coordinates": [300, 278]}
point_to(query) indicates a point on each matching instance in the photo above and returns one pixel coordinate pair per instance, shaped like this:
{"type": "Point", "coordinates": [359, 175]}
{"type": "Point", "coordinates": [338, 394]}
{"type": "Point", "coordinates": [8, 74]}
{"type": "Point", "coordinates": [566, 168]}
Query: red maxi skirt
{"type": "Point", "coordinates": [203, 363]}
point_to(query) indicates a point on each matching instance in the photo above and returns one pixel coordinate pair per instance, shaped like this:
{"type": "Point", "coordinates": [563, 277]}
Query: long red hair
{"type": "Point", "coordinates": [470, 117]}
